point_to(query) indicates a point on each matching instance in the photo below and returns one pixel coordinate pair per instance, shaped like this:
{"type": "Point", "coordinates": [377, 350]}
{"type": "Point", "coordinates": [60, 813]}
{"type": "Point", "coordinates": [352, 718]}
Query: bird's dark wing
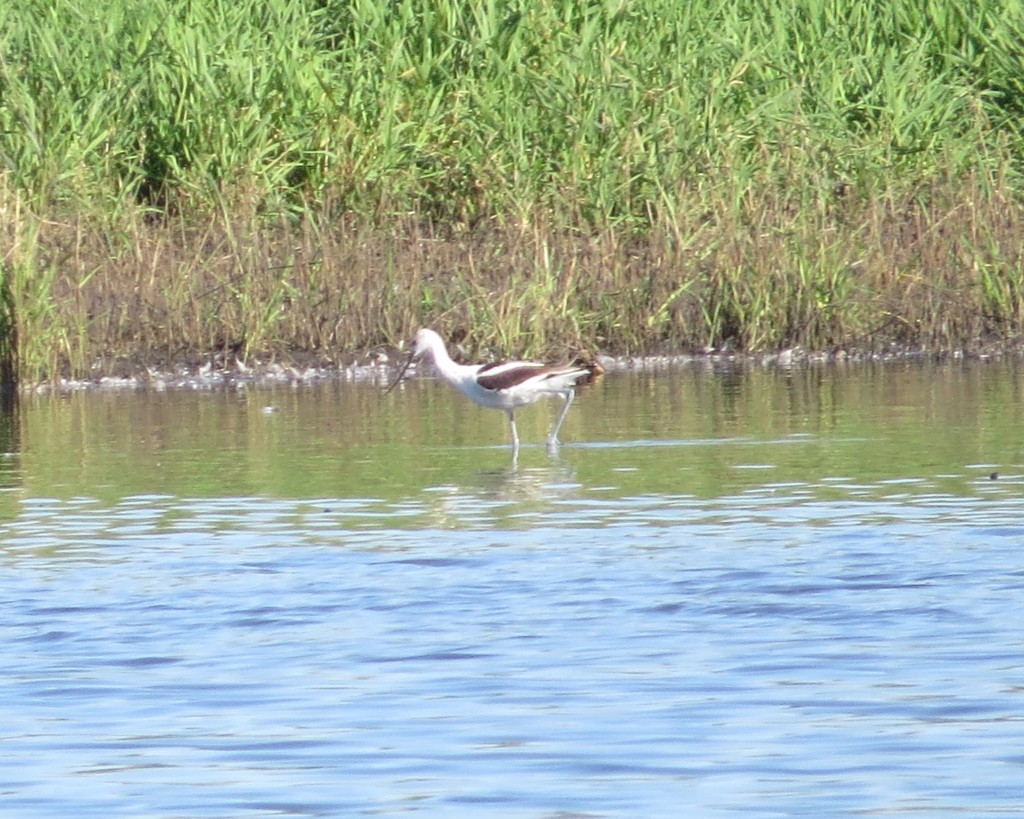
{"type": "Point", "coordinates": [507, 374]}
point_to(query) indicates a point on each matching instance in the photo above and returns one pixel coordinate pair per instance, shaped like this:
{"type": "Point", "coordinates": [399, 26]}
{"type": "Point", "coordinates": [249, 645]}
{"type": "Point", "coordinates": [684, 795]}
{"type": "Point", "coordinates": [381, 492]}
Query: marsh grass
{"type": "Point", "coordinates": [284, 177]}
{"type": "Point", "coordinates": [938, 268]}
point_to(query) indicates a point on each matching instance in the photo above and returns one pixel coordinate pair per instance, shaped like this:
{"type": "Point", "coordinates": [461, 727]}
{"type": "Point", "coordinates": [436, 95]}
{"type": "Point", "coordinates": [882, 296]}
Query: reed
{"type": "Point", "coordinates": [260, 178]}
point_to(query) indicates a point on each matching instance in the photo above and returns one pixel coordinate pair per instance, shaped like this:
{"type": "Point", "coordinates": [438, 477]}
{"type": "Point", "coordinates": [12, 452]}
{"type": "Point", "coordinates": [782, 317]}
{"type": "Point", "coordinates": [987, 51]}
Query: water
{"type": "Point", "coordinates": [740, 594]}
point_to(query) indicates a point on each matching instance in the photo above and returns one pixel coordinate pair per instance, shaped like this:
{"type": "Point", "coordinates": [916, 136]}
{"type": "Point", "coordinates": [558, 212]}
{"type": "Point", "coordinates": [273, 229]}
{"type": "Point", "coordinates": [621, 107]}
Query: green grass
{"type": "Point", "coordinates": [321, 175]}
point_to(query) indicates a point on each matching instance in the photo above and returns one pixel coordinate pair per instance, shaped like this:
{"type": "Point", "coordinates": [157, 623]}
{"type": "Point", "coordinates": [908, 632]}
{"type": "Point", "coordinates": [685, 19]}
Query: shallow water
{"type": "Point", "coordinates": [753, 593]}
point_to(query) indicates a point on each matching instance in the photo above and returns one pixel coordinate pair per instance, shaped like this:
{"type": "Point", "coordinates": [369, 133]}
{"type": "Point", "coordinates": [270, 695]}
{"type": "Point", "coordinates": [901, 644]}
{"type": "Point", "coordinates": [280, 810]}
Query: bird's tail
{"type": "Point", "coordinates": [589, 367]}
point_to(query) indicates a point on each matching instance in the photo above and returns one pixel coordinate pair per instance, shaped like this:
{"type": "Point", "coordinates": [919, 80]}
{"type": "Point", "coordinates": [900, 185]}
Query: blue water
{"type": "Point", "coordinates": [540, 640]}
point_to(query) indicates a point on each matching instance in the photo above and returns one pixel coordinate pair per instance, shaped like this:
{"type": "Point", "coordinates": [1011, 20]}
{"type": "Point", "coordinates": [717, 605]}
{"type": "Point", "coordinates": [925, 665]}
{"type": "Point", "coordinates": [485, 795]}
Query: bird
{"type": "Point", "coordinates": [505, 385]}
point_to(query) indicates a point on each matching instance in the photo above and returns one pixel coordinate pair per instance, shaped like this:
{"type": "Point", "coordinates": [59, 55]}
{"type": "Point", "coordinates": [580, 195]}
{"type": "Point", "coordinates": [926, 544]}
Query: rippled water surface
{"type": "Point", "coordinates": [751, 593]}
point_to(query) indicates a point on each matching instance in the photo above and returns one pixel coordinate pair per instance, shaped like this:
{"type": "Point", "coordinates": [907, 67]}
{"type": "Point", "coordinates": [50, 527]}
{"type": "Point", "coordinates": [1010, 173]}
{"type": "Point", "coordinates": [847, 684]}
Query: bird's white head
{"type": "Point", "coordinates": [425, 342]}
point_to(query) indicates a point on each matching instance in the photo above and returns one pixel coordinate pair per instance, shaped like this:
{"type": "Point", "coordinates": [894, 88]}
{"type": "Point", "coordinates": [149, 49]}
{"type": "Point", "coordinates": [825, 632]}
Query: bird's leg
{"type": "Point", "coordinates": [515, 435]}
{"type": "Point", "coordinates": [553, 437]}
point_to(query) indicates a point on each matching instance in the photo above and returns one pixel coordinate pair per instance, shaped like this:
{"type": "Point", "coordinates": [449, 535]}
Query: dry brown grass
{"type": "Point", "coordinates": [939, 267]}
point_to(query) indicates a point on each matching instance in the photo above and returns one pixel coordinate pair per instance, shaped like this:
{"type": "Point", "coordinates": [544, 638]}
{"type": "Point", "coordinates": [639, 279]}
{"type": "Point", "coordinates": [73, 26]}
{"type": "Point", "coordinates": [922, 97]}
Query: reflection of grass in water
{"type": "Point", "coordinates": [255, 178]}
{"type": "Point", "coordinates": [685, 435]}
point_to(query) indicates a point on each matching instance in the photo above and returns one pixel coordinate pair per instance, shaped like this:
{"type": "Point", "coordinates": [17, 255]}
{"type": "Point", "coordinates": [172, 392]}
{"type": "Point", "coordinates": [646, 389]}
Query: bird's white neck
{"type": "Point", "coordinates": [443, 363]}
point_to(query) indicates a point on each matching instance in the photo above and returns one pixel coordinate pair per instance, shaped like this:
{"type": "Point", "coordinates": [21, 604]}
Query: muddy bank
{"type": "Point", "coordinates": [381, 366]}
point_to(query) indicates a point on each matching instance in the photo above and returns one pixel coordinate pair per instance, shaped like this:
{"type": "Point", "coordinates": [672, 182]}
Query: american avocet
{"type": "Point", "coordinates": [505, 385]}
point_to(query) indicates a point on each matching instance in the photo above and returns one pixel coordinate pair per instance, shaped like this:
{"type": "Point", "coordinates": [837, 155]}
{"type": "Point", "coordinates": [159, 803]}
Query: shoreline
{"type": "Point", "coordinates": [380, 367]}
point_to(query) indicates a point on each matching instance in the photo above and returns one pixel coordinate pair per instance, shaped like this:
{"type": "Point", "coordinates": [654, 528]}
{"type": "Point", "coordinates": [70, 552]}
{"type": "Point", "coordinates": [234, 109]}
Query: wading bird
{"type": "Point", "coordinates": [505, 385]}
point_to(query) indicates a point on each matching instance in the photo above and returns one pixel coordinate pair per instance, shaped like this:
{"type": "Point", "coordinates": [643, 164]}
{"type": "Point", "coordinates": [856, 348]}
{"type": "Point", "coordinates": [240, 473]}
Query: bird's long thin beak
{"type": "Point", "coordinates": [401, 372]}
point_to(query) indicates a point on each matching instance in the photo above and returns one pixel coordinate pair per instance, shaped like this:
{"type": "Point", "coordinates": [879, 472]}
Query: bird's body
{"type": "Point", "coordinates": [506, 385]}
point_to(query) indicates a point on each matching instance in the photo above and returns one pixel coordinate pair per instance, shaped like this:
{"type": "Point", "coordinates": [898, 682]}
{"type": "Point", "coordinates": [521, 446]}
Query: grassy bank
{"type": "Point", "coordinates": [290, 175]}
